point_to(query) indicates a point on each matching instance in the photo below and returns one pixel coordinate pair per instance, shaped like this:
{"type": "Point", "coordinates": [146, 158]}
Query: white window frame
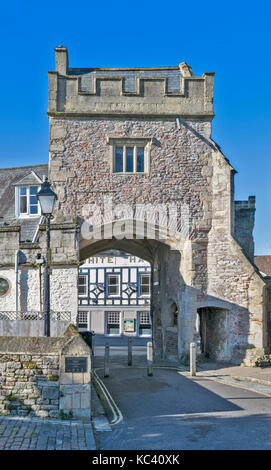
{"type": "Point", "coordinates": [107, 284]}
{"type": "Point", "coordinates": [82, 313]}
{"type": "Point", "coordinates": [106, 322]}
{"type": "Point", "coordinates": [135, 143]}
{"type": "Point", "coordinates": [140, 291]}
{"type": "Point", "coordinates": [138, 323]}
{"type": "Point", "coordinates": [26, 214]}
{"type": "Point", "coordinates": [85, 285]}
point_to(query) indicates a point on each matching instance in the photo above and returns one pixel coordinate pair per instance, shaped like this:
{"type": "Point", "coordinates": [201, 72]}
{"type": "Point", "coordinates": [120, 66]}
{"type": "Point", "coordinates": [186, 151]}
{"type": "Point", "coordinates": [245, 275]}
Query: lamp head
{"type": "Point", "coordinates": [46, 198]}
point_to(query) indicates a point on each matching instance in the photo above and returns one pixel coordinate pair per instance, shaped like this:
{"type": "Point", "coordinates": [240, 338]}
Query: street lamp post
{"type": "Point", "coordinates": [46, 198]}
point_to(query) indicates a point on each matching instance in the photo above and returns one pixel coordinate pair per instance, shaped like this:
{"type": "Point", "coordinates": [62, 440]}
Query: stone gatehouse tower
{"type": "Point", "coordinates": [139, 136]}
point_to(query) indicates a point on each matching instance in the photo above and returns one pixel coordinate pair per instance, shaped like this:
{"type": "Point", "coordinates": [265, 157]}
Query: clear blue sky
{"type": "Point", "coordinates": [229, 38]}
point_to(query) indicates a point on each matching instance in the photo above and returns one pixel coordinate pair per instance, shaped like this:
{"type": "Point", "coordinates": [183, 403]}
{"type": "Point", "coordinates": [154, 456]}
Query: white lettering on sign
{"type": "Point", "coordinates": [111, 260]}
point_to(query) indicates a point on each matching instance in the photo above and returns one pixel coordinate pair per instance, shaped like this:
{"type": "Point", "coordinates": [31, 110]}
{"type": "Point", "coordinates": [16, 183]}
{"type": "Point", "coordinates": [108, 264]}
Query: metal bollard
{"type": "Point", "coordinates": [130, 357]}
{"type": "Point", "coordinates": [106, 360]}
{"type": "Point", "coordinates": [192, 359]}
{"type": "Point", "coordinates": [149, 359]}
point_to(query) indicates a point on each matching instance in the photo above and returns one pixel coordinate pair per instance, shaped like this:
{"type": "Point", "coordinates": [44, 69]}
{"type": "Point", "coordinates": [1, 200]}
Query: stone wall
{"type": "Point", "coordinates": [83, 160]}
{"type": "Point", "coordinates": [29, 385]}
{"type": "Point", "coordinates": [33, 381]}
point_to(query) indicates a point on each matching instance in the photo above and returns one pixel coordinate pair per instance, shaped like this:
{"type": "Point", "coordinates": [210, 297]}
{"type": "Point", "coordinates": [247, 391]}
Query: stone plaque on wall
{"type": "Point", "coordinates": [75, 364]}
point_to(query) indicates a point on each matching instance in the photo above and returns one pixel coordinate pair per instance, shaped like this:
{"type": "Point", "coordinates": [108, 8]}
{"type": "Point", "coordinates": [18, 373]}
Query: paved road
{"type": "Point", "coordinates": [173, 411]}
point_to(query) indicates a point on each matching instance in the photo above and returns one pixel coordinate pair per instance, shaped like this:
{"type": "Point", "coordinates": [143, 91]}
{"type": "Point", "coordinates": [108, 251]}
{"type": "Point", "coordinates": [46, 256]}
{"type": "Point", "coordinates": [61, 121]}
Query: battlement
{"type": "Point", "coordinates": [151, 91]}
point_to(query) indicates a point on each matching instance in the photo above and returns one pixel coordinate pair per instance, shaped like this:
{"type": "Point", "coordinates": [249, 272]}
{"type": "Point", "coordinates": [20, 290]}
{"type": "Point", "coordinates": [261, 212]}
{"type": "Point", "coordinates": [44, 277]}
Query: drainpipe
{"type": "Point", "coordinates": [16, 282]}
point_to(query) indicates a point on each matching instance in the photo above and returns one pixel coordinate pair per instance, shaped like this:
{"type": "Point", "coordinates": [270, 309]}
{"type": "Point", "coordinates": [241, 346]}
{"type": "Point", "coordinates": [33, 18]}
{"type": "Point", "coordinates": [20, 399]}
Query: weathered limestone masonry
{"type": "Point", "coordinates": [206, 271]}
{"type": "Point", "coordinates": [33, 380]}
{"type": "Point", "coordinates": [26, 291]}
{"type": "Point", "coordinates": [203, 279]}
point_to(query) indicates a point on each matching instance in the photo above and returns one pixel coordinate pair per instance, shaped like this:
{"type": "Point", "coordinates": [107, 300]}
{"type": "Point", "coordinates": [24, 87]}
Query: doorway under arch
{"type": "Point", "coordinates": [213, 332]}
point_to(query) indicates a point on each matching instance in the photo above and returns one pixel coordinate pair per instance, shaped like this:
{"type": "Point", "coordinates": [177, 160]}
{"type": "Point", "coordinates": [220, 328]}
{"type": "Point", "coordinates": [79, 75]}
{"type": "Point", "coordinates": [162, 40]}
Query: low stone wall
{"type": "Point", "coordinates": [34, 381]}
{"type": "Point", "coordinates": [31, 327]}
{"type": "Point", "coordinates": [29, 385]}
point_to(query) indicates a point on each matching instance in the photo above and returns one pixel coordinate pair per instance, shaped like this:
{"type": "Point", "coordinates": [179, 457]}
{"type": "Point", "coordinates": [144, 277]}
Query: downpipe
{"type": "Point", "coordinates": [17, 282]}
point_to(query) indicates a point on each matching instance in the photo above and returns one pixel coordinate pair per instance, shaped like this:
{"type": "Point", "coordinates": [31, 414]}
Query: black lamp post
{"type": "Point", "coordinates": [46, 198]}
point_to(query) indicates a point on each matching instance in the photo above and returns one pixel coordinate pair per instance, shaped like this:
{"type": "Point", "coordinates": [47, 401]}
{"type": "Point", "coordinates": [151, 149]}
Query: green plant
{"type": "Point", "coordinates": [64, 415]}
{"type": "Point", "coordinates": [30, 365]}
{"type": "Point", "coordinates": [13, 398]}
{"type": "Point", "coordinates": [53, 378]}
{"type": "Point", "coordinates": [11, 407]}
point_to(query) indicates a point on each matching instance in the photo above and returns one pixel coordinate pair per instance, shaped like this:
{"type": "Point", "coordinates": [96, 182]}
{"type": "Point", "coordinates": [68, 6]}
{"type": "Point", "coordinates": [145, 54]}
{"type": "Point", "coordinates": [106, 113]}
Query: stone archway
{"type": "Point", "coordinates": [166, 279]}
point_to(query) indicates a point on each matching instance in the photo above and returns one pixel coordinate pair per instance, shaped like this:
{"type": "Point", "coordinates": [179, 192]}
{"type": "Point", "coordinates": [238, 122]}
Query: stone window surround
{"type": "Point", "coordinates": [145, 142]}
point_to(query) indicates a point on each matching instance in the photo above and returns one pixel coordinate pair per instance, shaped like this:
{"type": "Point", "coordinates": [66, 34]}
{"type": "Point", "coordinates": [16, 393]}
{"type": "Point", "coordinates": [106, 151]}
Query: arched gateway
{"type": "Point", "coordinates": [135, 168]}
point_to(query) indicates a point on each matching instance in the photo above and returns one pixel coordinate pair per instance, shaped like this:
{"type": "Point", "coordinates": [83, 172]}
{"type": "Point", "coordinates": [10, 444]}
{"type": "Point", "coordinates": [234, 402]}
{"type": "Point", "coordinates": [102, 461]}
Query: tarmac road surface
{"type": "Point", "coordinates": [171, 410]}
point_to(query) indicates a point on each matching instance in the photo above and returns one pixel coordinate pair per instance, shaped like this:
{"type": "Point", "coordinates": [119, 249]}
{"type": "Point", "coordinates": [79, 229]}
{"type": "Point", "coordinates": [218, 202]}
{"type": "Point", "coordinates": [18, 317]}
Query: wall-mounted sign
{"type": "Point", "coordinates": [129, 325]}
{"type": "Point", "coordinates": [76, 364]}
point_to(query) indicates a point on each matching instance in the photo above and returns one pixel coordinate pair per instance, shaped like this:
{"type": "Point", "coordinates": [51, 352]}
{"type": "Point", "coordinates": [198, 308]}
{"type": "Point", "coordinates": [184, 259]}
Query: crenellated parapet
{"type": "Point", "coordinates": [150, 91]}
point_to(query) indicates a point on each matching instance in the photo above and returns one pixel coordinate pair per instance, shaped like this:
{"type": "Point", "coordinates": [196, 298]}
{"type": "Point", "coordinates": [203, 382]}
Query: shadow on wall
{"type": "Point", "coordinates": [224, 326]}
{"type": "Point", "coordinates": [24, 288]}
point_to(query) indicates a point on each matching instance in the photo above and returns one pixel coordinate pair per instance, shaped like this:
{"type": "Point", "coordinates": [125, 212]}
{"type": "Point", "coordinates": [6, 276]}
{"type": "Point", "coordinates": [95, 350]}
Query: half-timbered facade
{"type": "Point", "coordinates": [114, 295]}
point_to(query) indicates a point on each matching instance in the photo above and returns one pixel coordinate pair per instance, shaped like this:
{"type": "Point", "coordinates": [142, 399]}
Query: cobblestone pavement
{"type": "Point", "coordinates": [20, 433]}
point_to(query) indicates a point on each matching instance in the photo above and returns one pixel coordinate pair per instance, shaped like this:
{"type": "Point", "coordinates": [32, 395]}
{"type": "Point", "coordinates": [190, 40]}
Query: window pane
{"type": "Point", "coordinates": [140, 159]}
{"type": "Point", "coordinates": [82, 285]}
{"type": "Point", "coordinates": [145, 284]}
{"type": "Point", "coordinates": [23, 191]}
{"type": "Point", "coordinates": [82, 320]}
{"type": "Point", "coordinates": [118, 159]}
{"type": "Point", "coordinates": [145, 279]}
{"type": "Point", "coordinates": [23, 205]}
{"type": "Point", "coordinates": [144, 324]}
{"type": "Point", "coordinates": [113, 285]}
{"type": "Point", "coordinates": [82, 280]}
{"type": "Point", "coordinates": [82, 290]}
{"type": "Point", "coordinates": [33, 200]}
{"type": "Point", "coordinates": [33, 189]}
{"type": "Point", "coordinates": [33, 209]}
{"type": "Point", "coordinates": [113, 323]}
{"type": "Point", "coordinates": [129, 159]}
{"type": "Point", "coordinates": [112, 290]}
